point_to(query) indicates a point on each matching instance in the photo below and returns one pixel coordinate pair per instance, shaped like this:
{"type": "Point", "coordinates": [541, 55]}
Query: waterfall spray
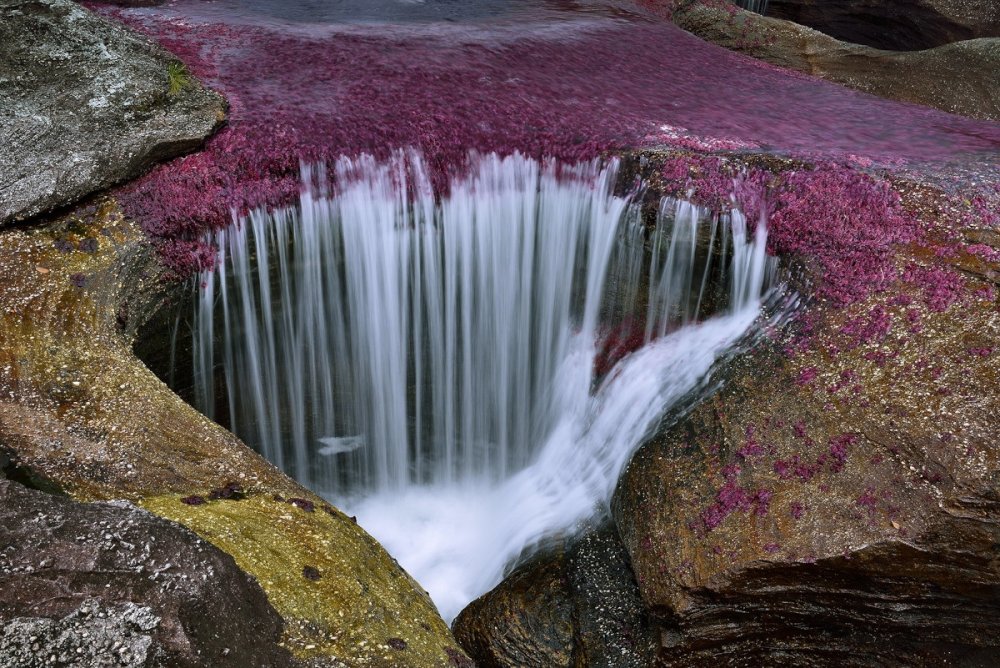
{"type": "Point", "coordinates": [426, 362]}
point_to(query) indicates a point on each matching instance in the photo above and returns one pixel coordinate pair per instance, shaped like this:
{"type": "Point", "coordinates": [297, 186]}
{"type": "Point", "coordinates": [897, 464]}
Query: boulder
{"type": "Point", "coordinates": [109, 584]}
{"type": "Point", "coordinates": [961, 78]}
{"type": "Point", "coordinates": [85, 104]}
{"type": "Point", "coordinates": [81, 415]}
{"type": "Point", "coordinates": [836, 499]}
{"type": "Point", "coordinates": [902, 25]}
{"type": "Point", "coordinates": [837, 502]}
{"type": "Point", "coordinates": [575, 605]}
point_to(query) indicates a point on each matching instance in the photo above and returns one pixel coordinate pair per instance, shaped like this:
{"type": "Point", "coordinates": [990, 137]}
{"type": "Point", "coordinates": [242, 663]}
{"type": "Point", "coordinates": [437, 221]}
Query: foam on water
{"type": "Point", "coordinates": [433, 365]}
{"type": "Point", "coordinates": [457, 539]}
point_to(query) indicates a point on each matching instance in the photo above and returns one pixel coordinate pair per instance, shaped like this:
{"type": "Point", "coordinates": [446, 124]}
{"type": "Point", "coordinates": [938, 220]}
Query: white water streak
{"type": "Point", "coordinates": [432, 364]}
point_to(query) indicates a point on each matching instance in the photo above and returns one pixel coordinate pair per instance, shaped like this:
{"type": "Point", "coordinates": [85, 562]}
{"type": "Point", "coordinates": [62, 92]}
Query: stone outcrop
{"type": "Point", "coordinates": [80, 414]}
{"type": "Point", "coordinates": [901, 25]}
{"type": "Point", "coordinates": [85, 104]}
{"type": "Point", "coordinates": [962, 77]}
{"type": "Point", "coordinates": [793, 519]}
{"type": "Point", "coordinates": [576, 605]}
{"type": "Point", "coordinates": [836, 502]}
{"type": "Point", "coordinates": [109, 584]}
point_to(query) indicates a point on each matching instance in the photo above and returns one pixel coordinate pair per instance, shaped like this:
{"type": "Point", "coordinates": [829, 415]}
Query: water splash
{"type": "Point", "coordinates": [434, 365]}
{"type": "Point", "coordinates": [757, 6]}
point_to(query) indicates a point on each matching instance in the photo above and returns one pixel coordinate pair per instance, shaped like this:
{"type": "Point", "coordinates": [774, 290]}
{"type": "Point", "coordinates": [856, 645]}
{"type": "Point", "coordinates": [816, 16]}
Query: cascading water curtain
{"type": "Point", "coordinates": [469, 375]}
{"type": "Point", "coordinates": [758, 6]}
{"type": "Point", "coordinates": [375, 338]}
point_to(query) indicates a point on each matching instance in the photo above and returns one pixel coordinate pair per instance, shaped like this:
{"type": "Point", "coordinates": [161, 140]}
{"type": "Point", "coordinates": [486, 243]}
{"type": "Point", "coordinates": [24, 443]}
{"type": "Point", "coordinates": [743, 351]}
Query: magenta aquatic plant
{"type": "Point", "coordinates": [573, 91]}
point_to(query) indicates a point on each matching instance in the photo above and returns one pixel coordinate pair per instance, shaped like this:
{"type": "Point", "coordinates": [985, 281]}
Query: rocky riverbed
{"type": "Point", "coordinates": [835, 502]}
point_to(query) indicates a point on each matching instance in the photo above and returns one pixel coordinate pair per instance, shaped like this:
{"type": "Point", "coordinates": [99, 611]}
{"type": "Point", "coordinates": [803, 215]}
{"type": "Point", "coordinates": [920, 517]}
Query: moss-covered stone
{"type": "Point", "coordinates": [81, 412]}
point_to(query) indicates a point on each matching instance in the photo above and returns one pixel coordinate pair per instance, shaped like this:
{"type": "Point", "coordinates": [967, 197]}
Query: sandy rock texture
{"type": "Point", "coordinates": [109, 584]}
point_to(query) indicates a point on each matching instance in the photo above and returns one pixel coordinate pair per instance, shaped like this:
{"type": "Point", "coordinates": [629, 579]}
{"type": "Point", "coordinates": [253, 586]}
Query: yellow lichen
{"type": "Point", "coordinates": [340, 612]}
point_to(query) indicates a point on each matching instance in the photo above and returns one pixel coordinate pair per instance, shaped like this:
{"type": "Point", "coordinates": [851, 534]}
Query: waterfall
{"type": "Point", "coordinates": [758, 6]}
{"type": "Point", "coordinates": [467, 374]}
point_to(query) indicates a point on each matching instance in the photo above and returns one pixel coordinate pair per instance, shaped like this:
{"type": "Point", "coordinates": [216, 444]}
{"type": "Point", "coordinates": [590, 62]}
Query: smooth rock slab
{"type": "Point", "coordinates": [85, 104]}
{"type": "Point", "coordinates": [109, 584]}
{"type": "Point", "coordinates": [961, 77]}
{"type": "Point", "coordinates": [901, 25]}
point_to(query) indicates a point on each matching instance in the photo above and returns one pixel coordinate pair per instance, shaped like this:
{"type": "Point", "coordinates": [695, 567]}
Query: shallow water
{"type": "Point", "coordinates": [571, 81]}
{"type": "Point", "coordinates": [320, 81]}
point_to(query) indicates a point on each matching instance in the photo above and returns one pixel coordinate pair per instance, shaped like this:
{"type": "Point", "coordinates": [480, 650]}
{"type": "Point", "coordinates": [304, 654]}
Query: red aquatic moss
{"type": "Point", "coordinates": [569, 89]}
{"type": "Point", "coordinates": [941, 286]}
{"type": "Point", "coordinates": [732, 498]}
{"type": "Point", "coordinates": [847, 224]}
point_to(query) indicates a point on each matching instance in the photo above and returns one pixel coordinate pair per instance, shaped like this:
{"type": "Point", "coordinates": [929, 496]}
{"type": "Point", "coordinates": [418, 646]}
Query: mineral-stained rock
{"type": "Point", "coordinates": [840, 506]}
{"type": "Point", "coordinates": [526, 621]}
{"type": "Point", "coordinates": [84, 104]}
{"type": "Point", "coordinates": [81, 414]}
{"type": "Point", "coordinates": [576, 607]}
{"type": "Point", "coordinates": [899, 25]}
{"type": "Point", "coordinates": [962, 77]}
{"type": "Point", "coordinates": [109, 584]}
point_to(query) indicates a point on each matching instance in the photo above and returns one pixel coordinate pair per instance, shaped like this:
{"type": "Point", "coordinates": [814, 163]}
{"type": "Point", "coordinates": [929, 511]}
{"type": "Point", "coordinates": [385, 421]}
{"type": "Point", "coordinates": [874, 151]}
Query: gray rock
{"type": "Point", "coordinates": [92, 636]}
{"type": "Point", "coordinates": [85, 104]}
{"type": "Point", "coordinates": [109, 584]}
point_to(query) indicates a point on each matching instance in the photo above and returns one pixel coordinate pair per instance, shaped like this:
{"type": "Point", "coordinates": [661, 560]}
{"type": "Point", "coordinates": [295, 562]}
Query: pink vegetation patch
{"type": "Point", "coordinates": [572, 89]}
{"type": "Point", "coordinates": [846, 223]}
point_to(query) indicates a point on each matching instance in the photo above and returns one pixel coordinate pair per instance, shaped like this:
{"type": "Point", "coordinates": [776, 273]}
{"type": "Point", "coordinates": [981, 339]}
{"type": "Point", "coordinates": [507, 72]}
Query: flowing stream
{"type": "Point", "coordinates": [468, 374]}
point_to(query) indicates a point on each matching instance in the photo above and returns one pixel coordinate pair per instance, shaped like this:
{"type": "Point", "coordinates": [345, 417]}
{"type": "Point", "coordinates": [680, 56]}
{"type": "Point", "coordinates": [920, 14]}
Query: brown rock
{"type": "Point", "coordinates": [579, 607]}
{"type": "Point", "coordinates": [525, 621]}
{"type": "Point", "coordinates": [860, 529]}
{"type": "Point", "coordinates": [75, 579]}
{"type": "Point", "coordinates": [962, 78]}
{"type": "Point", "coordinates": [897, 25]}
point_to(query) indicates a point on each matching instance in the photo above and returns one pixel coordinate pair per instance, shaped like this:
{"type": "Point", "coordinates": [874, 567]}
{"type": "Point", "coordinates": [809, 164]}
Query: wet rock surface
{"type": "Point", "coordinates": [525, 621]}
{"type": "Point", "coordinates": [577, 605]}
{"type": "Point", "coordinates": [837, 500]}
{"type": "Point", "coordinates": [81, 415]}
{"type": "Point", "coordinates": [961, 77]}
{"type": "Point", "coordinates": [85, 104]}
{"type": "Point", "coordinates": [903, 25]}
{"type": "Point", "coordinates": [109, 584]}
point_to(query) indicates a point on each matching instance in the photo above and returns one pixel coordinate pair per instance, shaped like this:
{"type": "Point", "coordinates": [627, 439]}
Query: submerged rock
{"type": "Point", "coordinates": [109, 584]}
{"type": "Point", "coordinates": [85, 104]}
{"type": "Point", "coordinates": [961, 77]}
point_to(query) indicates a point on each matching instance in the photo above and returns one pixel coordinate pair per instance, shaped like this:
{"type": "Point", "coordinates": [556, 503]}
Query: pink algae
{"type": "Point", "coordinates": [571, 89]}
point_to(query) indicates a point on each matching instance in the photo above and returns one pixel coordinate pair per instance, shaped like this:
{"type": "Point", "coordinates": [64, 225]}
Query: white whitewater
{"type": "Point", "coordinates": [436, 367]}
